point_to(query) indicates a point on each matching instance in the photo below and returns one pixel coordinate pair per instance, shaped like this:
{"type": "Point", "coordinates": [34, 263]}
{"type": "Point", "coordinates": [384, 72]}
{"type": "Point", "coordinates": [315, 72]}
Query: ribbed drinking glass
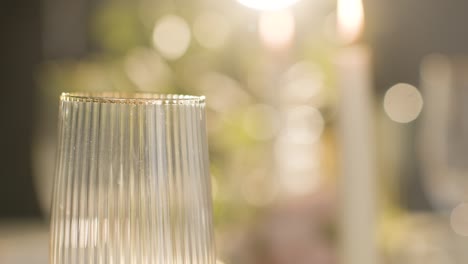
{"type": "Point", "coordinates": [132, 182]}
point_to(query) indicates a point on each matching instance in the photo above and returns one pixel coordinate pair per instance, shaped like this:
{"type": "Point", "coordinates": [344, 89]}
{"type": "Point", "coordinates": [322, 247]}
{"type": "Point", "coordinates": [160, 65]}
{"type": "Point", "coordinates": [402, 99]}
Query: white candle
{"type": "Point", "coordinates": [356, 129]}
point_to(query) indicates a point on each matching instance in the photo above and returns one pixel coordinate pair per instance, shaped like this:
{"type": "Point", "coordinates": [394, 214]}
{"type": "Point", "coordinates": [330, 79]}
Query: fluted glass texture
{"type": "Point", "coordinates": [132, 182]}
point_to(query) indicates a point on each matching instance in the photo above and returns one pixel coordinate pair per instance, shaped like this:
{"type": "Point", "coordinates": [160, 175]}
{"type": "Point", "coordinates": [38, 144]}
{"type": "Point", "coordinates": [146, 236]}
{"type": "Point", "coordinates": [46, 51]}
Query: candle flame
{"type": "Point", "coordinates": [350, 19]}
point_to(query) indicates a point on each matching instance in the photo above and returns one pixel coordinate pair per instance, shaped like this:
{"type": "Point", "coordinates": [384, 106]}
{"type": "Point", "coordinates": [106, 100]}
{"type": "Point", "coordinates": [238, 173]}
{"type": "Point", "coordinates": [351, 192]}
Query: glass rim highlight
{"type": "Point", "coordinates": [132, 98]}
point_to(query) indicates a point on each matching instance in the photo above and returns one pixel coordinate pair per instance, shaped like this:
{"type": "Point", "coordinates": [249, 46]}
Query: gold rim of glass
{"type": "Point", "coordinates": [131, 98]}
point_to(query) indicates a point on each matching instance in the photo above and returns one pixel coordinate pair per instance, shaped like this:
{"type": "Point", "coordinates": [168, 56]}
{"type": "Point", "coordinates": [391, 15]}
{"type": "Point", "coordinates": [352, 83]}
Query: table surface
{"type": "Point", "coordinates": [24, 242]}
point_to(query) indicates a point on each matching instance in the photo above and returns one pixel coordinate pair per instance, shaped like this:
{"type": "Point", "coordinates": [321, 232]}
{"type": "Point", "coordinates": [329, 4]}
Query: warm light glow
{"type": "Point", "coordinates": [350, 19]}
{"type": "Point", "coordinates": [171, 36]}
{"type": "Point", "coordinates": [268, 4]}
{"type": "Point", "coordinates": [276, 28]}
{"type": "Point", "coordinates": [403, 103]}
{"type": "Point", "coordinates": [211, 30]}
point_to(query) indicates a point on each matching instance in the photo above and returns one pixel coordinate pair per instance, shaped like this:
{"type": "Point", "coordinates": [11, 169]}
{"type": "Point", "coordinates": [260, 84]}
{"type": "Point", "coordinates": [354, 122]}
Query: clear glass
{"type": "Point", "coordinates": [132, 182]}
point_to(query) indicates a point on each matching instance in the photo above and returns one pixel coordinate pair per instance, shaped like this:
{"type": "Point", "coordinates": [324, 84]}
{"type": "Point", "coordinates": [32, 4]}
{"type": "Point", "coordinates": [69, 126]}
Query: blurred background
{"type": "Point", "coordinates": [336, 128]}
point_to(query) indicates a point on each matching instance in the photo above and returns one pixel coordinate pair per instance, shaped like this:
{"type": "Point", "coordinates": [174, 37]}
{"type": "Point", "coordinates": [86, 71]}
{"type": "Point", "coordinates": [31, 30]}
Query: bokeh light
{"type": "Point", "coordinates": [295, 159]}
{"type": "Point", "coordinates": [298, 166]}
{"type": "Point", "coordinates": [302, 84]}
{"type": "Point", "coordinates": [225, 93]}
{"type": "Point", "coordinates": [276, 28]}
{"type": "Point", "coordinates": [297, 155]}
{"type": "Point", "coordinates": [268, 4]}
{"type": "Point", "coordinates": [147, 70]}
{"type": "Point", "coordinates": [304, 124]}
{"type": "Point", "coordinates": [297, 150]}
{"type": "Point", "coordinates": [211, 30]}
{"type": "Point", "coordinates": [171, 36]}
{"type": "Point", "coordinates": [403, 103]}
{"type": "Point", "coordinates": [459, 219]}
